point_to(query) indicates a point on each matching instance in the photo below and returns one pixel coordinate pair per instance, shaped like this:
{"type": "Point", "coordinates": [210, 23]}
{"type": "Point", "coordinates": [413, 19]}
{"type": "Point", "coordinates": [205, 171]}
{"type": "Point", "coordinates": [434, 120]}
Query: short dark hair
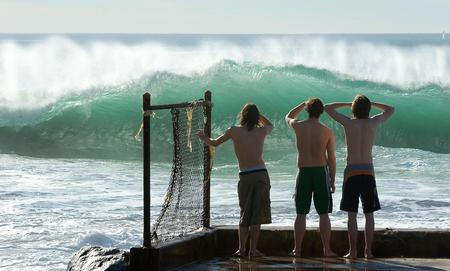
{"type": "Point", "coordinates": [249, 116]}
{"type": "Point", "coordinates": [361, 107]}
{"type": "Point", "coordinates": [314, 107]}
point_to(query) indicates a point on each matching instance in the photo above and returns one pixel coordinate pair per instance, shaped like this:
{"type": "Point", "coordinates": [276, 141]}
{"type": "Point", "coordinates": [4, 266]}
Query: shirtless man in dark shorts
{"type": "Point", "coordinates": [359, 175]}
{"type": "Point", "coordinates": [254, 183]}
{"type": "Point", "coordinates": [317, 166]}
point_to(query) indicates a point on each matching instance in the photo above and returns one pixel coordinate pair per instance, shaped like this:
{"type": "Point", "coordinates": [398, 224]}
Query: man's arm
{"type": "Point", "coordinates": [331, 162]}
{"type": "Point", "coordinates": [331, 110]}
{"type": "Point", "coordinates": [388, 111]}
{"type": "Point", "coordinates": [214, 142]}
{"type": "Point", "coordinates": [292, 115]}
{"type": "Point", "coordinates": [265, 122]}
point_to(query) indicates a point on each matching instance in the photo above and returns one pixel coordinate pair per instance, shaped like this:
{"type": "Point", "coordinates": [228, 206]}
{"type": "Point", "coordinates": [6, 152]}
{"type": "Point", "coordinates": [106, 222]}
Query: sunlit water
{"type": "Point", "coordinates": [75, 101]}
{"type": "Point", "coordinates": [52, 207]}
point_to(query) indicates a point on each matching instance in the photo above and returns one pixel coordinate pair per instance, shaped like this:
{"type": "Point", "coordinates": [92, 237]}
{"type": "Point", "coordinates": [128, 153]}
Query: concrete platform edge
{"type": "Point", "coordinates": [278, 241]}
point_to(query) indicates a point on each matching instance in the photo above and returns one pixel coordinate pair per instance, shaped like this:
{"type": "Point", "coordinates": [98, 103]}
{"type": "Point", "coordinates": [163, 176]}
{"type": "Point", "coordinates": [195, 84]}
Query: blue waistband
{"type": "Point", "coordinates": [252, 171]}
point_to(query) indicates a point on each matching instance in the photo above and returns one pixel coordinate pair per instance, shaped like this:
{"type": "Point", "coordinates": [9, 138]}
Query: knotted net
{"type": "Point", "coordinates": [182, 209]}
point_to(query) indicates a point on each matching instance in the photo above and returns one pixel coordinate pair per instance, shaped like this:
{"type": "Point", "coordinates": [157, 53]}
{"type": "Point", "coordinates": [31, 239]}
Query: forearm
{"type": "Point", "coordinates": [334, 106]}
{"type": "Point", "coordinates": [331, 110]}
{"type": "Point", "coordinates": [265, 121]}
{"type": "Point", "coordinates": [208, 141]}
{"type": "Point", "coordinates": [332, 171]}
{"type": "Point", "coordinates": [214, 142]}
{"type": "Point", "coordinates": [384, 107]}
{"type": "Point", "coordinates": [295, 111]}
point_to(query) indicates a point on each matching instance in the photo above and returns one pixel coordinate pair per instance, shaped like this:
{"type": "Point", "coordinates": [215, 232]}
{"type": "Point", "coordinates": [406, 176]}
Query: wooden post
{"type": "Point", "coordinates": [146, 122]}
{"type": "Point", "coordinates": [207, 164]}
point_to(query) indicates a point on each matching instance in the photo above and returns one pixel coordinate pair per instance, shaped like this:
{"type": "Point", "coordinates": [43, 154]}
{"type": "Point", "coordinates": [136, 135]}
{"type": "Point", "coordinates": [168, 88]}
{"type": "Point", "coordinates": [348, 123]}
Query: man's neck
{"type": "Point", "coordinates": [312, 119]}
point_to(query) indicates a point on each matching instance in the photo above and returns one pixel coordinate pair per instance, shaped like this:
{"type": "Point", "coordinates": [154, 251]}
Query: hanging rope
{"type": "Point", "coordinates": [145, 113]}
{"type": "Point", "coordinates": [182, 206]}
{"type": "Point", "coordinates": [189, 111]}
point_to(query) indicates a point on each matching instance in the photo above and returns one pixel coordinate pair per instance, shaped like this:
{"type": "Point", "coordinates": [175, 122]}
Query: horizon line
{"type": "Point", "coordinates": [225, 33]}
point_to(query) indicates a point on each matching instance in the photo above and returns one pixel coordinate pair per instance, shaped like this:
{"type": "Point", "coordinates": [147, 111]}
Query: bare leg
{"type": "Point", "coordinates": [299, 232]}
{"type": "Point", "coordinates": [368, 234]}
{"type": "Point", "coordinates": [352, 226]}
{"type": "Point", "coordinates": [325, 233]}
{"type": "Point", "coordinates": [254, 236]}
{"type": "Point", "coordinates": [243, 236]}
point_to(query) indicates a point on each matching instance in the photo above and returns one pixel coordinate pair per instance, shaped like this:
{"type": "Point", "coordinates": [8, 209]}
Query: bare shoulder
{"type": "Point", "coordinates": [232, 129]}
{"type": "Point", "coordinates": [377, 119]}
{"type": "Point", "coordinates": [298, 124]}
{"type": "Point", "coordinates": [328, 131]}
{"type": "Point", "coordinates": [262, 130]}
{"type": "Point", "coordinates": [324, 126]}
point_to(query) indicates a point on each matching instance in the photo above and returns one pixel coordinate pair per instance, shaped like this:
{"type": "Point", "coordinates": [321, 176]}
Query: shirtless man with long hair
{"type": "Point", "coordinates": [254, 183]}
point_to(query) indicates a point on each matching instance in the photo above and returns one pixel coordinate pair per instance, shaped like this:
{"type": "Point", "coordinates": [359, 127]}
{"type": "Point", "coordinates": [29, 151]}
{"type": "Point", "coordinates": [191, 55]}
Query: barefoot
{"type": "Point", "coordinates": [329, 254]}
{"type": "Point", "coordinates": [369, 256]}
{"type": "Point", "coordinates": [256, 254]}
{"type": "Point", "coordinates": [239, 254]}
{"type": "Point", "coordinates": [350, 256]}
{"type": "Point", "coordinates": [294, 253]}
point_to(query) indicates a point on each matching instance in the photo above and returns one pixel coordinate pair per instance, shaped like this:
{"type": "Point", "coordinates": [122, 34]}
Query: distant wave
{"type": "Point", "coordinates": [102, 122]}
{"type": "Point", "coordinates": [39, 74]}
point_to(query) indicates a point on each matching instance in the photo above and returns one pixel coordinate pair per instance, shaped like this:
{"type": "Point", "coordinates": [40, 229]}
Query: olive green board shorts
{"type": "Point", "coordinates": [254, 198]}
{"type": "Point", "coordinates": [312, 182]}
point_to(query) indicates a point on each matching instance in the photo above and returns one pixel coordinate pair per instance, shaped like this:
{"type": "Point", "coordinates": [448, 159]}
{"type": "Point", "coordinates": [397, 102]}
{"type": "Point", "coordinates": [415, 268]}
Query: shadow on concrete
{"type": "Point", "coordinates": [288, 263]}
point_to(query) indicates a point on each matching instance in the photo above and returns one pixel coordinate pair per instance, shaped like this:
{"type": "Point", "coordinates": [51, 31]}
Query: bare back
{"type": "Point", "coordinates": [312, 138]}
{"type": "Point", "coordinates": [359, 133]}
{"type": "Point", "coordinates": [360, 137]}
{"type": "Point", "coordinates": [248, 145]}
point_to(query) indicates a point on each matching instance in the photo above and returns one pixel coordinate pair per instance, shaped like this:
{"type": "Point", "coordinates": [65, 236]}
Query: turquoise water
{"type": "Point", "coordinates": [70, 171]}
{"type": "Point", "coordinates": [80, 97]}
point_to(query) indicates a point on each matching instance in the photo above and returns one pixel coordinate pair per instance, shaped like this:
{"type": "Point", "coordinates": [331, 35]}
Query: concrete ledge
{"type": "Point", "coordinates": [279, 241]}
{"type": "Point", "coordinates": [176, 253]}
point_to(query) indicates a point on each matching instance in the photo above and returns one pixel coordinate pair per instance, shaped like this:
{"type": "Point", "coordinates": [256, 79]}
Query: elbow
{"type": "Point", "coordinates": [390, 111]}
{"type": "Point", "coordinates": [214, 143]}
{"type": "Point", "coordinates": [287, 119]}
{"type": "Point", "coordinates": [332, 161]}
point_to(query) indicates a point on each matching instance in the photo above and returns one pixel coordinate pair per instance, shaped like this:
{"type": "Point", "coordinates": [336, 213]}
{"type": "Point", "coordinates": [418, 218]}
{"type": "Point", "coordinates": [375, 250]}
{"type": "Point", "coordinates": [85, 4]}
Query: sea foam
{"type": "Point", "coordinates": [37, 74]}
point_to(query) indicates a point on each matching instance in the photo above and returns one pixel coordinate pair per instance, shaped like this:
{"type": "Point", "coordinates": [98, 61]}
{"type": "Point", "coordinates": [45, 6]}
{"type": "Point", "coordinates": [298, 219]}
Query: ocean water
{"type": "Point", "coordinates": [70, 105]}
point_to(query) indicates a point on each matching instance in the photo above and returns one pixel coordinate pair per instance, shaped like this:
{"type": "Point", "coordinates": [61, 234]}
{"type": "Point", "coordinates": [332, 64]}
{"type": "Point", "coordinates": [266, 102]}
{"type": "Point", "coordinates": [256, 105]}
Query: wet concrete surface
{"type": "Point", "coordinates": [398, 250]}
{"type": "Point", "coordinates": [310, 264]}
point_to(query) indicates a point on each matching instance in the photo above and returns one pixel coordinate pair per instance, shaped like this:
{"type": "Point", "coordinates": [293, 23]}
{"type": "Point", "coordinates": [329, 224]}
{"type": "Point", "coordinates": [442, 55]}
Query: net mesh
{"type": "Point", "coordinates": [182, 209]}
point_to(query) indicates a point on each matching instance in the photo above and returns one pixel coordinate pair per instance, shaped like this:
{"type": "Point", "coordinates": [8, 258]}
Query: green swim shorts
{"type": "Point", "coordinates": [312, 182]}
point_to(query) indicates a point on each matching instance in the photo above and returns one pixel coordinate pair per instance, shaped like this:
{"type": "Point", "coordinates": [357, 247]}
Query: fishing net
{"type": "Point", "coordinates": [182, 209]}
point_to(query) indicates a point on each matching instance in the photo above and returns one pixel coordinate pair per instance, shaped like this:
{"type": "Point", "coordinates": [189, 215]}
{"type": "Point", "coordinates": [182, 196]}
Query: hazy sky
{"type": "Point", "coordinates": [224, 16]}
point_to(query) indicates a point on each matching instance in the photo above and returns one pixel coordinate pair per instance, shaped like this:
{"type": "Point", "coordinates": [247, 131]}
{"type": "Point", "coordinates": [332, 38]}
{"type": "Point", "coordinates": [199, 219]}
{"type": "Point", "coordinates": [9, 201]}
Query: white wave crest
{"type": "Point", "coordinates": [38, 74]}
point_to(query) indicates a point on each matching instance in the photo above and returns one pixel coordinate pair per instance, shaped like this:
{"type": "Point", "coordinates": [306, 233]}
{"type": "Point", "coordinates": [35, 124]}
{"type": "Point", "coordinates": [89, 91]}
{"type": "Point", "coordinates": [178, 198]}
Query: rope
{"type": "Point", "coordinates": [148, 113]}
{"type": "Point", "coordinates": [189, 111]}
{"type": "Point", "coordinates": [182, 206]}
{"type": "Point", "coordinates": [145, 113]}
{"type": "Point", "coordinates": [212, 153]}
